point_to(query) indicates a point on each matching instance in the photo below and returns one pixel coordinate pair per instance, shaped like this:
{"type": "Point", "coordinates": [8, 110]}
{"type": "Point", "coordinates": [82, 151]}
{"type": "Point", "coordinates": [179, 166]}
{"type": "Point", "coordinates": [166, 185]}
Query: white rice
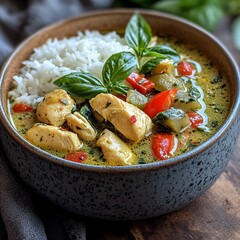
{"type": "Point", "coordinates": [85, 52]}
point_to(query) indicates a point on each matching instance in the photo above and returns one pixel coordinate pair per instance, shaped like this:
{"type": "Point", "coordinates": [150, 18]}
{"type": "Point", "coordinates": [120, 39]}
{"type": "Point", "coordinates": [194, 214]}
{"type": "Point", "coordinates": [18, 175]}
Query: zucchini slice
{"type": "Point", "coordinates": [173, 119]}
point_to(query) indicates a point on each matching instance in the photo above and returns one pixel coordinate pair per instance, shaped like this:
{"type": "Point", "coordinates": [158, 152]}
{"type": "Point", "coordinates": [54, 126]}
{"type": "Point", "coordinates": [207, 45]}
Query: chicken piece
{"type": "Point", "coordinates": [132, 122]}
{"type": "Point", "coordinates": [55, 107]}
{"type": "Point", "coordinates": [46, 136]}
{"type": "Point", "coordinates": [115, 151]}
{"type": "Point", "coordinates": [81, 126]}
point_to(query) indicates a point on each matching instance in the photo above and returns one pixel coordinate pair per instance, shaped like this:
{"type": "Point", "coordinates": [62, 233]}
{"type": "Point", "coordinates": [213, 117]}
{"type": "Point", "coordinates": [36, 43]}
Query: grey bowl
{"type": "Point", "coordinates": [131, 192]}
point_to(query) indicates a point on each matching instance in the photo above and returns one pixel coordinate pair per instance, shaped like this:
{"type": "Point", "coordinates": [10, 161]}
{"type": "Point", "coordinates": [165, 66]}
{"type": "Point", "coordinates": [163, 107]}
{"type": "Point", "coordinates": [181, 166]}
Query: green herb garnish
{"type": "Point", "coordinates": [141, 161]}
{"type": "Point", "coordinates": [86, 112]}
{"type": "Point", "coordinates": [115, 70]}
{"type": "Point", "coordinates": [120, 65]}
{"type": "Point", "coordinates": [164, 50]}
{"type": "Point", "coordinates": [217, 79]}
{"type": "Point", "coordinates": [194, 93]}
{"type": "Point", "coordinates": [138, 36]}
{"type": "Point", "coordinates": [214, 124]}
{"type": "Point", "coordinates": [81, 84]}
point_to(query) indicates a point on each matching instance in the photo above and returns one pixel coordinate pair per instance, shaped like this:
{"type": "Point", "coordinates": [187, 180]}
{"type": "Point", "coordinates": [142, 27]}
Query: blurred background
{"type": "Point", "coordinates": [206, 13]}
{"type": "Point", "coordinates": [19, 19]}
{"type": "Point", "coordinates": [220, 17]}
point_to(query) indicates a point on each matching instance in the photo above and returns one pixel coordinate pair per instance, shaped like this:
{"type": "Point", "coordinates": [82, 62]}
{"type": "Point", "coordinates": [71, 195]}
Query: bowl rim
{"type": "Point", "coordinates": [133, 168]}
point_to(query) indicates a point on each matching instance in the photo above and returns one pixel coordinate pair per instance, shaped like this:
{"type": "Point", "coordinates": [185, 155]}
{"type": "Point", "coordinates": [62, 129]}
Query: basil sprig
{"type": "Point", "coordinates": [165, 51]}
{"type": "Point", "coordinates": [115, 70]}
{"type": "Point", "coordinates": [120, 65]}
{"type": "Point", "coordinates": [138, 36]}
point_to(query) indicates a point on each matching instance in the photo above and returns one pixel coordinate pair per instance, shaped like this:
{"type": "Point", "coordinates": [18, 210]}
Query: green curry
{"type": "Point", "coordinates": [173, 88]}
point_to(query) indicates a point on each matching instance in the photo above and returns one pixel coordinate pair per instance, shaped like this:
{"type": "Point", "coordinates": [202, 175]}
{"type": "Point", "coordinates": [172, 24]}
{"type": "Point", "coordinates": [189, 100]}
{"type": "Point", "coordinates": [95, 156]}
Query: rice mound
{"type": "Point", "coordinates": [86, 52]}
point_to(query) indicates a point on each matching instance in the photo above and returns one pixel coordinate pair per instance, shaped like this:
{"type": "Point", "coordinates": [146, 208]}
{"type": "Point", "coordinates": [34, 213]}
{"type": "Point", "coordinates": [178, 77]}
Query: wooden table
{"type": "Point", "coordinates": [214, 215]}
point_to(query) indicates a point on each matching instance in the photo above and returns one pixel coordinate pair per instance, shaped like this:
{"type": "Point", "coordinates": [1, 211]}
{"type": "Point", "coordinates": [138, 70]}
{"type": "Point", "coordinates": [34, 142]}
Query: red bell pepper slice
{"type": "Point", "coordinates": [22, 107]}
{"type": "Point", "coordinates": [184, 68]}
{"type": "Point", "coordinates": [160, 102]}
{"type": "Point", "coordinates": [133, 119]}
{"type": "Point", "coordinates": [162, 145]}
{"type": "Point", "coordinates": [121, 96]}
{"type": "Point", "coordinates": [140, 83]}
{"type": "Point", "coordinates": [78, 156]}
{"type": "Point", "coordinates": [195, 119]}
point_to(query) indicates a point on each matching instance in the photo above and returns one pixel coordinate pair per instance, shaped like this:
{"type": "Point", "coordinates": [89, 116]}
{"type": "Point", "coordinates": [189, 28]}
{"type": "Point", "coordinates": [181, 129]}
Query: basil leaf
{"type": "Point", "coordinates": [167, 51]}
{"type": "Point", "coordinates": [121, 89]}
{"type": "Point", "coordinates": [85, 111]}
{"type": "Point", "coordinates": [117, 68]}
{"type": "Point", "coordinates": [150, 65]}
{"type": "Point", "coordinates": [138, 34]}
{"type": "Point", "coordinates": [148, 53]}
{"type": "Point", "coordinates": [81, 84]}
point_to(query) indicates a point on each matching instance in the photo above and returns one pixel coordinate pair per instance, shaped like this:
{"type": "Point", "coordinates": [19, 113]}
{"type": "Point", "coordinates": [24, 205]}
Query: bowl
{"type": "Point", "coordinates": [122, 192]}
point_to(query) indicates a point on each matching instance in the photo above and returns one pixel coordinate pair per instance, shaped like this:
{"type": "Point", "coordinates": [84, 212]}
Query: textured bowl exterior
{"type": "Point", "coordinates": [121, 193]}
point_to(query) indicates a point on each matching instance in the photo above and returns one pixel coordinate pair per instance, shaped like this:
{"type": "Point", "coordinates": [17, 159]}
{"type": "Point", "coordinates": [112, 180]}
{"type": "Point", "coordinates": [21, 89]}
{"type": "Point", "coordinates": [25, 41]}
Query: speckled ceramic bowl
{"type": "Point", "coordinates": [133, 192]}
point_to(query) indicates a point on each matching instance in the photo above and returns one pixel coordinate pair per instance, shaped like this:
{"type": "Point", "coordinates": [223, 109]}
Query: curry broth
{"type": "Point", "coordinates": [214, 100]}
